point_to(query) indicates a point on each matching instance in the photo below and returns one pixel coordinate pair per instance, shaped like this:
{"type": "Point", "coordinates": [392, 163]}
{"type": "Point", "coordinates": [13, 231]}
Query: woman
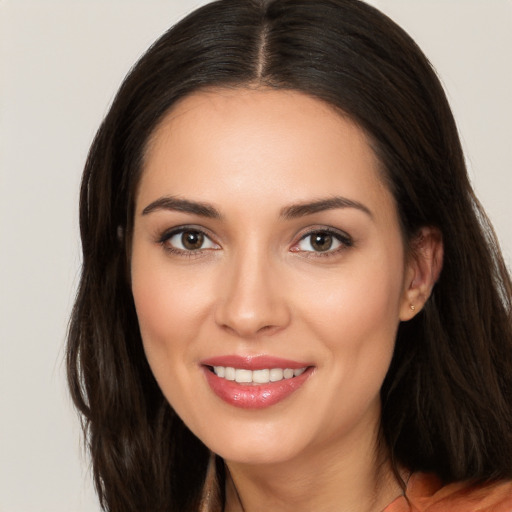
{"type": "Point", "coordinates": [290, 297]}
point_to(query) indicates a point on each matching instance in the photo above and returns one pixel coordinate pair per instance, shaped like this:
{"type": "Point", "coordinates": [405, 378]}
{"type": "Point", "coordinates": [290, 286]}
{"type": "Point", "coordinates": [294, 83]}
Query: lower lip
{"type": "Point", "coordinates": [250, 396]}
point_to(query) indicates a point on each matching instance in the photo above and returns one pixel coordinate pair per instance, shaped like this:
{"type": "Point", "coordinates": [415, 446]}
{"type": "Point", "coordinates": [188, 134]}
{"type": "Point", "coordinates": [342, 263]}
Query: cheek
{"type": "Point", "coordinates": [357, 323]}
{"type": "Point", "coordinates": [168, 306]}
{"type": "Point", "coordinates": [168, 302]}
{"type": "Point", "coordinates": [154, 304]}
{"type": "Point", "coordinates": [363, 297]}
{"type": "Point", "coordinates": [356, 314]}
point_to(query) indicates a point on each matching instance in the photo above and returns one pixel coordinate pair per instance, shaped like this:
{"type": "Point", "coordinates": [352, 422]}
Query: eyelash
{"type": "Point", "coordinates": [342, 238]}
{"type": "Point", "coordinates": [167, 235]}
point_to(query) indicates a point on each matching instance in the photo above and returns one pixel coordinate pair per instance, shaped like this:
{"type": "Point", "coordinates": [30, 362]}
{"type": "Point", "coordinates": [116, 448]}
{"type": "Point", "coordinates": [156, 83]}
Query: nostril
{"type": "Point", "coordinates": [251, 310]}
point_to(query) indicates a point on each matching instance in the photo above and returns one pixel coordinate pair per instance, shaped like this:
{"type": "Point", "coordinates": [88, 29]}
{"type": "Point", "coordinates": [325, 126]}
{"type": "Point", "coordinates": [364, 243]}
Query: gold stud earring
{"type": "Point", "coordinates": [413, 307]}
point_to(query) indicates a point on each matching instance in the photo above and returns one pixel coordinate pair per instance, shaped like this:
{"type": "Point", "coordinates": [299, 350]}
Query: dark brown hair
{"type": "Point", "coordinates": [447, 396]}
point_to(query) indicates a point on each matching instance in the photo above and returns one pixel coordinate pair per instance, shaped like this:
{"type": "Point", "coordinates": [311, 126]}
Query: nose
{"type": "Point", "coordinates": [252, 298]}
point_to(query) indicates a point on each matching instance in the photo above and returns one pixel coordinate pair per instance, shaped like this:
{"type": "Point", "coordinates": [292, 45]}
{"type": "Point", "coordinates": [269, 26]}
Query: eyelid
{"type": "Point", "coordinates": [342, 237]}
{"type": "Point", "coordinates": [167, 234]}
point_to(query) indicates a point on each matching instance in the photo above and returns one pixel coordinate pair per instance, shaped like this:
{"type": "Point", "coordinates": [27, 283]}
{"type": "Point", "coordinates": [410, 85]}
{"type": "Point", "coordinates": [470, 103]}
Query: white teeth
{"type": "Point", "coordinates": [229, 373]}
{"type": "Point", "coordinates": [220, 371]}
{"type": "Point", "coordinates": [288, 373]}
{"type": "Point", "coordinates": [243, 376]}
{"type": "Point", "coordinates": [264, 376]}
{"type": "Point", "coordinates": [276, 374]}
{"type": "Point", "coordinates": [261, 376]}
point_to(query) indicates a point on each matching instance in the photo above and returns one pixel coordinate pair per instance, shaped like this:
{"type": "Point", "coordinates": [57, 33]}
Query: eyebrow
{"type": "Point", "coordinates": [330, 203]}
{"type": "Point", "coordinates": [182, 205]}
{"type": "Point", "coordinates": [289, 212]}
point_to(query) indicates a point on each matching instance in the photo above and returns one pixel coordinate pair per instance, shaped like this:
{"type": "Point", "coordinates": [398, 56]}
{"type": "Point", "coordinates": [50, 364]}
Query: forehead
{"type": "Point", "coordinates": [260, 111]}
{"type": "Point", "coordinates": [258, 142]}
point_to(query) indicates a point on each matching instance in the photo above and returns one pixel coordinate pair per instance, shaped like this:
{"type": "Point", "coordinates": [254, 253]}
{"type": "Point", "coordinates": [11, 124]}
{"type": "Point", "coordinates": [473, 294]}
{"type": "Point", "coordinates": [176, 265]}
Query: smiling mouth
{"type": "Point", "coordinates": [262, 376]}
{"type": "Point", "coordinates": [255, 382]}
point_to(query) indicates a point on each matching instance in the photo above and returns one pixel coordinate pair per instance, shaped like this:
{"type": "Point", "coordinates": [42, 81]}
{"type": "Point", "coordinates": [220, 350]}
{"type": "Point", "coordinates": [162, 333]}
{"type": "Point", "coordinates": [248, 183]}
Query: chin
{"type": "Point", "coordinates": [257, 456]}
{"type": "Point", "coordinates": [269, 447]}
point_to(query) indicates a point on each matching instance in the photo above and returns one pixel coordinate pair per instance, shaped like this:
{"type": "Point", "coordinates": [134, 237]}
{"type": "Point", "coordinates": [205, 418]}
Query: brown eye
{"type": "Point", "coordinates": [187, 241]}
{"type": "Point", "coordinates": [325, 241]}
{"type": "Point", "coordinates": [192, 240]}
{"type": "Point", "coordinates": [321, 241]}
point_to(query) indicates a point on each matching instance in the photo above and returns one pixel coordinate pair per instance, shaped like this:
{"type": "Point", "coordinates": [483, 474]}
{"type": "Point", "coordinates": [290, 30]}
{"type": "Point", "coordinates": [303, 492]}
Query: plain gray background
{"type": "Point", "coordinates": [60, 65]}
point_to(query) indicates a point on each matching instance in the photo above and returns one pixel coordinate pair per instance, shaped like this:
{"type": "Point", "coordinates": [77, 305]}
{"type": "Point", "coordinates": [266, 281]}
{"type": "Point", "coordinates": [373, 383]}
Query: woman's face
{"type": "Point", "coordinates": [267, 249]}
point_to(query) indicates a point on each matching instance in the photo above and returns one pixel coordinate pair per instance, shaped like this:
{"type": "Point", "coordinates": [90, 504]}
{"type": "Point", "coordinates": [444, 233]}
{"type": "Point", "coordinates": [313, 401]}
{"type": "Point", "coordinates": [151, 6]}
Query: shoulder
{"type": "Point", "coordinates": [425, 493]}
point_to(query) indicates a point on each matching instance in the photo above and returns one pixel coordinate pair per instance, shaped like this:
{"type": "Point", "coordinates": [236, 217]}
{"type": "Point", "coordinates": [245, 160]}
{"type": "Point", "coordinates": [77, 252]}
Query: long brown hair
{"type": "Point", "coordinates": [448, 394]}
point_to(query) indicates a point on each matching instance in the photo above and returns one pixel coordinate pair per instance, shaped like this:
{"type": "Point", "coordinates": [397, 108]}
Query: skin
{"type": "Point", "coordinates": [257, 286]}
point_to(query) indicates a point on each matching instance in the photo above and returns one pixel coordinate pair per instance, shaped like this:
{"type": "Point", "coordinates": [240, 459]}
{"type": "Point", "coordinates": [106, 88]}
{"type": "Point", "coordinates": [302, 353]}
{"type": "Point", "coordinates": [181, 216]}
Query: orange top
{"type": "Point", "coordinates": [425, 493]}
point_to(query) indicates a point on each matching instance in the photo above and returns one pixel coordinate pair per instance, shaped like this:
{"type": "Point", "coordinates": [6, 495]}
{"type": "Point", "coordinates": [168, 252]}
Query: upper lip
{"type": "Point", "coordinates": [259, 362]}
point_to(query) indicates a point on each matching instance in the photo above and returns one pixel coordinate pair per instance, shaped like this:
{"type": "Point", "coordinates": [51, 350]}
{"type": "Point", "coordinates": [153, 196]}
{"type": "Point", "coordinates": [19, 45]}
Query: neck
{"type": "Point", "coordinates": [340, 478]}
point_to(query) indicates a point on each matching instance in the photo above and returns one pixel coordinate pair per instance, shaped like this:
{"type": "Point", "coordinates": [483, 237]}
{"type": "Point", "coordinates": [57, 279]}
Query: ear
{"type": "Point", "coordinates": [423, 266]}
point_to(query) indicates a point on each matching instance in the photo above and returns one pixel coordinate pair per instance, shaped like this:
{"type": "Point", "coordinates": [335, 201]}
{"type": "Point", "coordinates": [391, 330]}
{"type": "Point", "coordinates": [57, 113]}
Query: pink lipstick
{"type": "Point", "coordinates": [254, 382]}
